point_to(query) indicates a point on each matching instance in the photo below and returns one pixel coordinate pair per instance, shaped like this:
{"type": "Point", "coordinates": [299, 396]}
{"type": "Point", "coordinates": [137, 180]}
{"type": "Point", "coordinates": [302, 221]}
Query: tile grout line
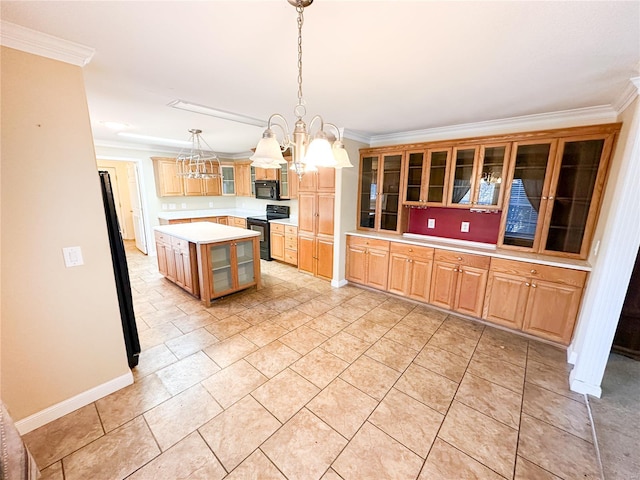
{"type": "Point", "coordinates": [595, 436]}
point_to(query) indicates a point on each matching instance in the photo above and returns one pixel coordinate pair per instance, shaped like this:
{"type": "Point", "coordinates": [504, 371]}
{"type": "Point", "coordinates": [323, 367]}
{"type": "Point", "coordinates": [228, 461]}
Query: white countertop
{"type": "Point", "coordinates": [286, 221]}
{"type": "Point", "coordinates": [206, 232]}
{"type": "Point", "coordinates": [211, 212]}
{"type": "Point", "coordinates": [476, 248]}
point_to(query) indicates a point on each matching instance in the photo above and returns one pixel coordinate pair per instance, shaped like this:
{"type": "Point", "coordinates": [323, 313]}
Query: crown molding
{"type": "Point", "coordinates": [628, 95]}
{"type": "Point", "coordinates": [561, 119]}
{"type": "Point", "coordinates": [357, 136]}
{"type": "Point", "coordinates": [38, 43]}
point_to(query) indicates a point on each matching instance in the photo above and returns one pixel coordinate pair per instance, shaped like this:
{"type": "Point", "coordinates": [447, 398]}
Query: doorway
{"type": "Point", "coordinates": [130, 202]}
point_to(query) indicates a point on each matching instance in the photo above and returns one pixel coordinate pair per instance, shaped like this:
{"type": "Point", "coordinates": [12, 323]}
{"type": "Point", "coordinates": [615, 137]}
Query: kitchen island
{"type": "Point", "coordinates": [209, 260]}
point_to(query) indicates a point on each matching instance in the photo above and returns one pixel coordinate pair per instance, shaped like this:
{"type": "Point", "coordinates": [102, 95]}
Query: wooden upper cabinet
{"type": "Point", "coordinates": [426, 177]}
{"type": "Point", "coordinates": [228, 180]}
{"type": "Point", "coordinates": [168, 183]}
{"type": "Point", "coordinates": [212, 186]}
{"type": "Point", "coordinates": [490, 173]}
{"type": "Point", "coordinates": [379, 192]}
{"type": "Point", "coordinates": [324, 180]}
{"type": "Point", "coordinates": [243, 180]}
{"type": "Point", "coordinates": [463, 176]}
{"type": "Point", "coordinates": [553, 195]}
{"type": "Point", "coordinates": [266, 173]}
{"type": "Point", "coordinates": [577, 184]}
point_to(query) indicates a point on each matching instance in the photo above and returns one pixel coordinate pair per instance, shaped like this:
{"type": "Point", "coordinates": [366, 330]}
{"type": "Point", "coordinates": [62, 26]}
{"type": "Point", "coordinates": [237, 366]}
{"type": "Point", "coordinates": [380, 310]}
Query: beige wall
{"type": "Point", "coordinates": [61, 331]}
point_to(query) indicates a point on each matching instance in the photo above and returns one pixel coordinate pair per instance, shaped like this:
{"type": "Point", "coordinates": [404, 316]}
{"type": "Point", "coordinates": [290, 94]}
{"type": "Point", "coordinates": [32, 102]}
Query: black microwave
{"type": "Point", "coordinates": [268, 189]}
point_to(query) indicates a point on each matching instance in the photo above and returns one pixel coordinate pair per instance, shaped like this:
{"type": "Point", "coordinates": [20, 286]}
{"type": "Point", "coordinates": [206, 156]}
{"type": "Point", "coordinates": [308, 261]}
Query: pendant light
{"type": "Point", "coordinates": [193, 162]}
{"type": "Point", "coordinates": [307, 151]}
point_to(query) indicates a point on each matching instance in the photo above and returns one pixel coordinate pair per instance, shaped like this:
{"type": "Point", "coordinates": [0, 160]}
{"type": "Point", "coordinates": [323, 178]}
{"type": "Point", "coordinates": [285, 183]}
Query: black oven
{"type": "Point", "coordinates": [268, 189]}
{"type": "Point", "coordinates": [261, 224]}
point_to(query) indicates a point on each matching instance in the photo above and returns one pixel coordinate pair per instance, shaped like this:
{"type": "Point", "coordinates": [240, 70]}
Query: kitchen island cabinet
{"type": "Point", "coordinates": [226, 259]}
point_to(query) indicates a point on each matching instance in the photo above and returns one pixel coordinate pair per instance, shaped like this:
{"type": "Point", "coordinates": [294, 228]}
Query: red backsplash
{"type": "Point", "coordinates": [483, 227]}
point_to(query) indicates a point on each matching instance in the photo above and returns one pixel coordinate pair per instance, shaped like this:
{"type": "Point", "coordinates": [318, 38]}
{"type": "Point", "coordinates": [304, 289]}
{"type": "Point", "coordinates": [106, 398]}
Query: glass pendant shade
{"type": "Point", "coordinates": [268, 150]}
{"type": "Point", "coordinates": [319, 153]}
{"type": "Point", "coordinates": [341, 155]}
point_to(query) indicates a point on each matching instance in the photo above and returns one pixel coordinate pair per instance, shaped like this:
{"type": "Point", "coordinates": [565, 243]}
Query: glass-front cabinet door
{"type": "Point", "coordinates": [525, 196]}
{"type": "Point", "coordinates": [368, 191]}
{"type": "Point", "coordinates": [244, 260]}
{"type": "Point", "coordinates": [576, 185]}
{"type": "Point", "coordinates": [462, 177]}
{"type": "Point", "coordinates": [490, 173]}
{"type": "Point", "coordinates": [391, 174]}
{"type": "Point", "coordinates": [228, 180]}
{"type": "Point", "coordinates": [416, 167]}
{"type": "Point", "coordinates": [221, 268]}
{"type": "Point", "coordinates": [426, 177]}
{"type": "Point", "coordinates": [438, 172]}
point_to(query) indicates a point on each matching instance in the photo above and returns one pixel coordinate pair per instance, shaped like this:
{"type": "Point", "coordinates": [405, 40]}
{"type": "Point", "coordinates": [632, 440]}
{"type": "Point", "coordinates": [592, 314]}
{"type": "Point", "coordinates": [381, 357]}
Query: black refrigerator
{"type": "Point", "coordinates": [121, 272]}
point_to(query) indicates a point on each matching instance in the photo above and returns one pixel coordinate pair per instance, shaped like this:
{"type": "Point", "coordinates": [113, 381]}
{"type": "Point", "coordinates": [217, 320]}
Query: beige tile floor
{"type": "Point", "coordinates": [303, 381]}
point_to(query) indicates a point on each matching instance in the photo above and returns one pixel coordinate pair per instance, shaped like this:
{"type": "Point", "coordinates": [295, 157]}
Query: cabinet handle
{"type": "Point", "coordinates": [408, 260]}
{"type": "Point", "coordinates": [534, 271]}
{"type": "Point", "coordinates": [533, 285]}
{"type": "Point", "coordinates": [550, 197]}
{"type": "Point", "coordinates": [544, 198]}
{"type": "Point", "coordinates": [411, 249]}
{"type": "Point", "coordinates": [455, 270]}
{"type": "Point", "coordinates": [459, 259]}
{"type": "Point", "coordinates": [527, 284]}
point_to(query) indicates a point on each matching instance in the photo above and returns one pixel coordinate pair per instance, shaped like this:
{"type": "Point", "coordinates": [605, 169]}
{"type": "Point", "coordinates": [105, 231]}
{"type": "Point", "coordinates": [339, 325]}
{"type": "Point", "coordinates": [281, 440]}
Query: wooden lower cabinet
{"type": "Point", "coordinates": [291, 244]}
{"type": "Point", "coordinates": [315, 255]}
{"type": "Point", "coordinates": [537, 299]}
{"type": "Point", "coordinates": [459, 281]}
{"type": "Point", "coordinates": [177, 261]}
{"type": "Point", "coordinates": [410, 269]}
{"type": "Point", "coordinates": [368, 261]}
{"type": "Point", "coordinates": [277, 241]}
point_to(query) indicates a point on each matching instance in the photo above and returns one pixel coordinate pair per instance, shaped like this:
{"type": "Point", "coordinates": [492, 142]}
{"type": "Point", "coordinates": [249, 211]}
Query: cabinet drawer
{"type": "Point", "coordinates": [290, 243]}
{"type": "Point", "coordinates": [181, 220]}
{"type": "Point", "coordinates": [239, 222]}
{"type": "Point", "coordinates": [206, 219]}
{"type": "Point", "coordinates": [180, 244]}
{"type": "Point", "coordinates": [368, 242]}
{"type": "Point", "coordinates": [562, 275]}
{"type": "Point", "coordinates": [163, 238]}
{"type": "Point", "coordinates": [477, 261]}
{"type": "Point", "coordinates": [291, 256]}
{"type": "Point", "coordinates": [291, 230]}
{"type": "Point", "coordinates": [277, 228]}
{"type": "Point", "coordinates": [412, 250]}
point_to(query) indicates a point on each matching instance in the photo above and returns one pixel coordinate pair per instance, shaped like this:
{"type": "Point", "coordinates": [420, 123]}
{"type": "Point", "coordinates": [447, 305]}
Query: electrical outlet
{"type": "Point", "coordinates": [172, 206]}
{"type": "Point", "coordinates": [184, 205]}
{"type": "Point", "coordinates": [210, 204]}
{"type": "Point", "coordinates": [464, 227]}
{"type": "Point", "coordinates": [431, 223]}
{"type": "Point", "coordinates": [164, 206]}
{"type": "Point", "coordinates": [72, 256]}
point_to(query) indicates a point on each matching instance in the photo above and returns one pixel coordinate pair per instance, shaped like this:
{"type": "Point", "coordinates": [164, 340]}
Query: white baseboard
{"type": "Point", "coordinates": [584, 388]}
{"type": "Point", "coordinates": [338, 283]}
{"type": "Point", "coordinates": [71, 404]}
{"type": "Point", "coordinates": [572, 355]}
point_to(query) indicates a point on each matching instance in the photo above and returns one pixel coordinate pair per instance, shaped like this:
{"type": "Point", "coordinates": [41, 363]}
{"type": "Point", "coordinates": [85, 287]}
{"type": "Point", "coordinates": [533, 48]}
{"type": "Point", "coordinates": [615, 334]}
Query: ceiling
{"type": "Point", "coordinates": [371, 67]}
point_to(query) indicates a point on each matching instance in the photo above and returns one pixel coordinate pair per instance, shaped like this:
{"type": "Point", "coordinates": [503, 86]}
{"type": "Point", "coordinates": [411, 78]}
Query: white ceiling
{"type": "Point", "coordinates": [372, 67]}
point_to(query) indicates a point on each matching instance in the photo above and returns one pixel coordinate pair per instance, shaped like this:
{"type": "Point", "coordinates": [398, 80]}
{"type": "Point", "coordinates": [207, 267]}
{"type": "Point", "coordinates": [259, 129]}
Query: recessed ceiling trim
{"type": "Point", "coordinates": [38, 43]}
{"type": "Point", "coordinates": [561, 119]}
{"type": "Point", "coordinates": [214, 112]}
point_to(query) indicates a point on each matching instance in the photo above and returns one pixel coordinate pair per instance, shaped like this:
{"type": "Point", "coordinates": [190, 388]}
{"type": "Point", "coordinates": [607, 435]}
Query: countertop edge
{"type": "Point", "coordinates": [198, 240]}
{"type": "Point", "coordinates": [473, 248]}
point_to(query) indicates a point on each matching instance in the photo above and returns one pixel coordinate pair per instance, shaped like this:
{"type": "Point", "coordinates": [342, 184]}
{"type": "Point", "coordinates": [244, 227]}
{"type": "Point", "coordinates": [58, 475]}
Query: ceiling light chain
{"type": "Point", "coordinates": [193, 162]}
{"type": "Point", "coordinates": [307, 153]}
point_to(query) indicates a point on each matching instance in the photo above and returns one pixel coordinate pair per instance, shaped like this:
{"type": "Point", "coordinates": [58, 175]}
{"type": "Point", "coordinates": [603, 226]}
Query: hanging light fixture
{"type": "Point", "coordinates": [307, 151]}
{"type": "Point", "coordinates": [193, 162]}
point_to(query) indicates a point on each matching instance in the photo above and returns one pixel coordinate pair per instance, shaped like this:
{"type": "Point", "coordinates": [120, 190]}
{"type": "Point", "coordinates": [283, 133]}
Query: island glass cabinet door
{"type": "Point", "coordinates": [232, 266]}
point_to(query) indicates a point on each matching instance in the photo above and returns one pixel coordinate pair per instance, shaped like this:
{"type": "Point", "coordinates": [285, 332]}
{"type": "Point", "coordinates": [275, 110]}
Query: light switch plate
{"type": "Point", "coordinates": [431, 223]}
{"type": "Point", "coordinates": [464, 227]}
{"type": "Point", "coordinates": [184, 205]}
{"type": "Point", "coordinates": [210, 204]}
{"type": "Point", "coordinates": [72, 256]}
{"type": "Point", "coordinates": [164, 206]}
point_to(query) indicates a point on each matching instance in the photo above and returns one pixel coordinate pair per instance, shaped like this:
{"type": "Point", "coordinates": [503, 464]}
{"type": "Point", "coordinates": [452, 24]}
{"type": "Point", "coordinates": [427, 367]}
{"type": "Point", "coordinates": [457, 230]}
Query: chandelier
{"type": "Point", "coordinates": [307, 151]}
{"type": "Point", "coordinates": [193, 162]}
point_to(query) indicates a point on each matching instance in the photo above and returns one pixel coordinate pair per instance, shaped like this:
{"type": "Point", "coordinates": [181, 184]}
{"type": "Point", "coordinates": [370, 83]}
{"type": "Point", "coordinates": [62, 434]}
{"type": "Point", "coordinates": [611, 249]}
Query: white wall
{"type": "Point", "coordinates": [61, 330]}
{"type": "Point", "coordinates": [618, 235]}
